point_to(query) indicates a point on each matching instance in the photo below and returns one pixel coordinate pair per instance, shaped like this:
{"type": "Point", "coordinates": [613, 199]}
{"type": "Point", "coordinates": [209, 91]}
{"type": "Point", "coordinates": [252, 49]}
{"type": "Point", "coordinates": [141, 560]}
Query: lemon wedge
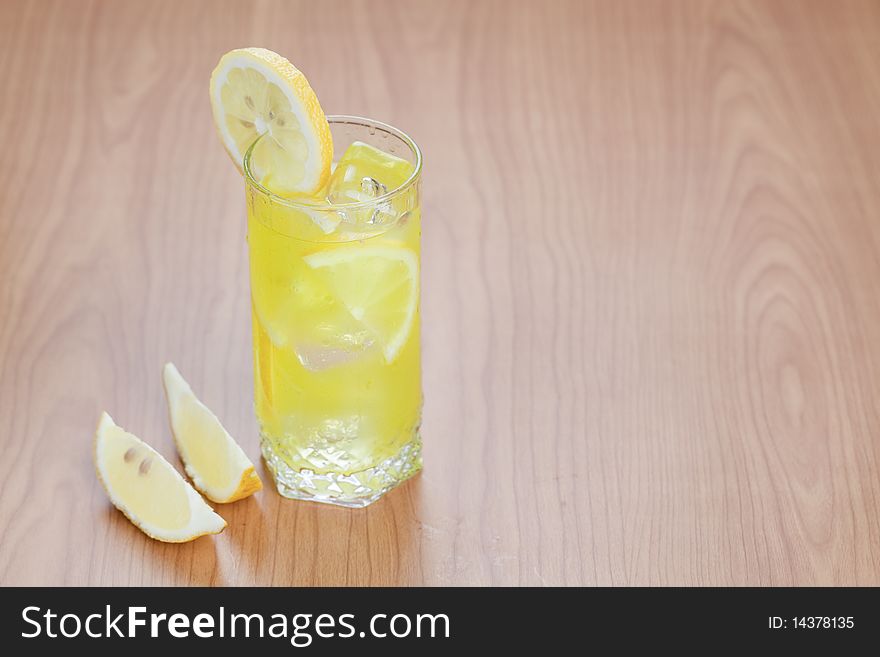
{"type": "Point", "coordinates": [379, 285]}
{"type": "Point", "coordinates": [256, 93]}
{"type": "Point", "coordinates": [148, 490]}
{"type": "Point", "coordinates": [218, 467]}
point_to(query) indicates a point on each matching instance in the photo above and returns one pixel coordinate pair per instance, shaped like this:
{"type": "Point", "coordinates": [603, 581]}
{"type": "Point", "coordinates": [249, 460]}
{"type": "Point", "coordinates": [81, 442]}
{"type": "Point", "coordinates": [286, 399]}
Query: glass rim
{"type": "Point", "coordinates": [313, 205]}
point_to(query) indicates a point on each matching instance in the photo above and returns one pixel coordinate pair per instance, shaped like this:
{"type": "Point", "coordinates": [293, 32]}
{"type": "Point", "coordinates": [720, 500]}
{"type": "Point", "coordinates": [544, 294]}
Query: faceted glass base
{"type": "Point", "coordinates": [357, 489]}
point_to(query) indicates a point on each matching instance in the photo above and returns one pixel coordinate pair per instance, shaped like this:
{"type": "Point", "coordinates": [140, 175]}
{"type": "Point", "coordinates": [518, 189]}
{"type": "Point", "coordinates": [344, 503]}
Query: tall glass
{"type": "Point", "coordinates": [335, 307]}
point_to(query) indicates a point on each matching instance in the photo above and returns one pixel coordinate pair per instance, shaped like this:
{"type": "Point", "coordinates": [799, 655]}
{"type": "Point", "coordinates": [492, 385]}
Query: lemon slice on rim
{"type": "Point", "coordinates": [258, 93]}
{"type": "Point", "coordinates": [217, 465]}
{"type": "Point", "coordinates": [379, 285]}
{"type": "Point", "coordinates": [148, 490]}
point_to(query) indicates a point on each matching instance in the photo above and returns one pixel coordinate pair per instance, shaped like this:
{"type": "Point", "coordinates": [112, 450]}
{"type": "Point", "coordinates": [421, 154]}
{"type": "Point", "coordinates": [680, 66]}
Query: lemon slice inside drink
{"type": "Point", "coordinates": [379, 285]}
{"type": "Point", "coordinates": [148, 490]}
{"type": "Point", "coordinates": [258, 93]}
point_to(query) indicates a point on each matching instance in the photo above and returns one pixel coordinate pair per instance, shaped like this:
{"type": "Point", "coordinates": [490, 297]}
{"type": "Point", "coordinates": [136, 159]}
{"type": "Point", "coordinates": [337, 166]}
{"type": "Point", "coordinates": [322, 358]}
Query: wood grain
{"type": "Point", "coordinates": [650, 273]}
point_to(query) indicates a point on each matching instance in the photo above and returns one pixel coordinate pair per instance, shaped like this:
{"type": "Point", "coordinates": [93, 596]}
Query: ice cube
{"type": "Point", "coordinates": [365, 173]}
{"type": "Point", "coordinates": [298, 313]}
{"type": "Point", "coordinates": [319, 357]}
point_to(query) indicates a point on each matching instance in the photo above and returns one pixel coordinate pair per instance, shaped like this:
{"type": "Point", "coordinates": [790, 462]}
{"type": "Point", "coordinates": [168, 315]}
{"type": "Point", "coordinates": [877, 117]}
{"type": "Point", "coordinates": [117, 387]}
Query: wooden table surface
{"type": "Point", "coordinates": [650, 275]}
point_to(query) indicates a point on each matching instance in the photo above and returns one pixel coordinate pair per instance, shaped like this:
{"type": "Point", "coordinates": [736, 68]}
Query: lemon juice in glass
{"type": "Point", "coordinates": [335, 305]}
{"type": "Point", "coordinates": [333, 238]}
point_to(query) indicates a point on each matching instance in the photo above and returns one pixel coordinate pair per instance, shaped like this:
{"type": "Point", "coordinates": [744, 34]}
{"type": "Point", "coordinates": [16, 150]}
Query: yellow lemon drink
{"type": "Point", "coordinates": [335, 306]}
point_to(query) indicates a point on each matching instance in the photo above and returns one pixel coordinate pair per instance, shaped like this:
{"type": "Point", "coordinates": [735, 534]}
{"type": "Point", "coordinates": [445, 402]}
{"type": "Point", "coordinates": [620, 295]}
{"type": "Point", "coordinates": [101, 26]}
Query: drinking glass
{"type": "Point", "coordinates": [335, 309]}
